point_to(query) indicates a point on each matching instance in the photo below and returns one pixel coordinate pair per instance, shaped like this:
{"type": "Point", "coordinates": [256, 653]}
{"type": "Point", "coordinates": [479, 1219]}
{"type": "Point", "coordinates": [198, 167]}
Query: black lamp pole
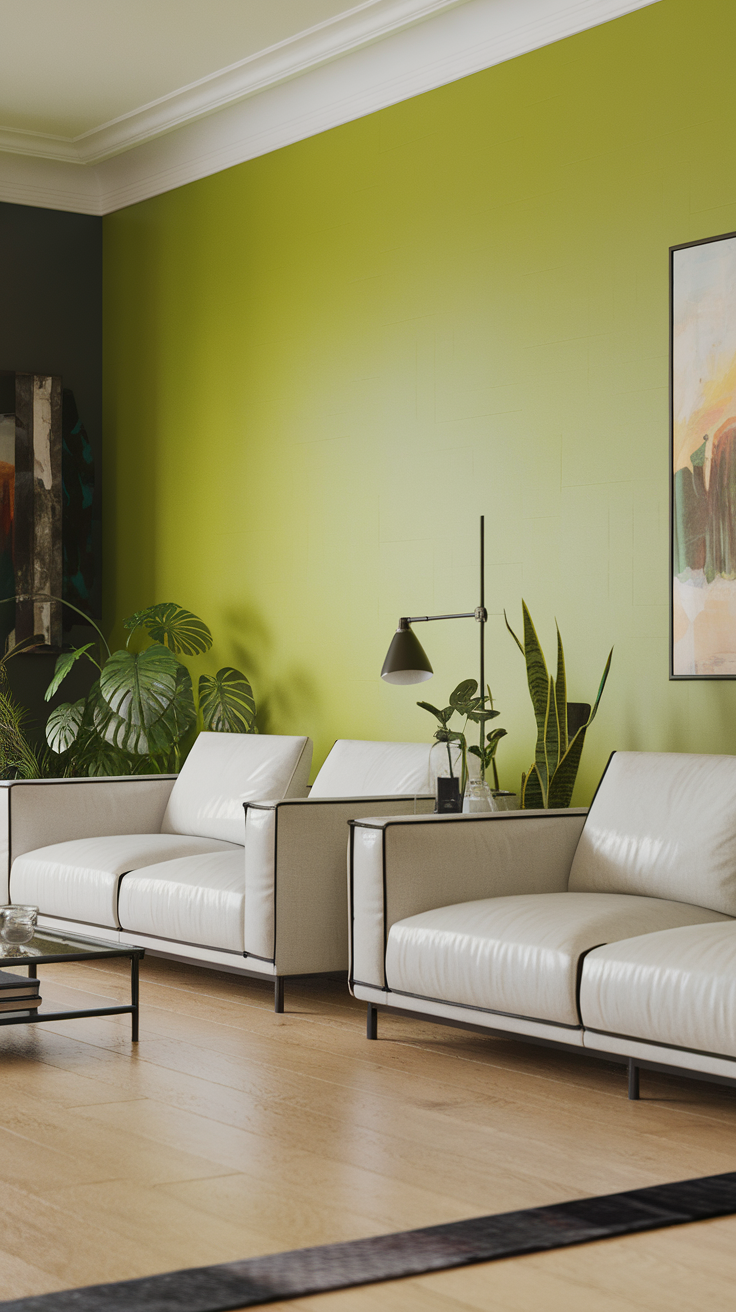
{"type": "Point", "coordinates": [407, 662]}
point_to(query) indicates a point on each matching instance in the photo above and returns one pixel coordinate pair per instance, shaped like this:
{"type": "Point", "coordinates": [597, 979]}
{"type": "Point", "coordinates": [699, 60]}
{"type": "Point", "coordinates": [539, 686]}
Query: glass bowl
{"type": "Point", "coordinates": [17, 927]}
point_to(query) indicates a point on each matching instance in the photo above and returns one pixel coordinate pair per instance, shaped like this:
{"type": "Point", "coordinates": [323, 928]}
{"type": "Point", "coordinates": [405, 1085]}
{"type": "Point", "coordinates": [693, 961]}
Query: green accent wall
{"type": "Point", "coordinates": [323, 365]}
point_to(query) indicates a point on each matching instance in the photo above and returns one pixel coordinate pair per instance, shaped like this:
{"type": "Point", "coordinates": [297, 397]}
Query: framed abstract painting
{"type": "Point", "coordinates": [703, 456]}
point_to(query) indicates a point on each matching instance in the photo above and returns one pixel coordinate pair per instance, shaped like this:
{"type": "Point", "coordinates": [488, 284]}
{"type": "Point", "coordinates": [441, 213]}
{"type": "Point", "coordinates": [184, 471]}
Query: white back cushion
{"type": "Point", "coordinates": [223, 770]}
{"type": "Point", "coordinates": [365, 769]}
{"type": "Point", "coordinates": [662, 825]}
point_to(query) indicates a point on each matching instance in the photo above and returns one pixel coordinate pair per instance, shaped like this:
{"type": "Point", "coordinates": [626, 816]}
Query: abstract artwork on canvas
{"type": "Point", "coordinates": [703, 520]}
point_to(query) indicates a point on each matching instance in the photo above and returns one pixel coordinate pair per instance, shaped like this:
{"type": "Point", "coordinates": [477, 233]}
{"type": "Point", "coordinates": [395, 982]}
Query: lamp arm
{"type": "Point", "coordinates": [480, 614]}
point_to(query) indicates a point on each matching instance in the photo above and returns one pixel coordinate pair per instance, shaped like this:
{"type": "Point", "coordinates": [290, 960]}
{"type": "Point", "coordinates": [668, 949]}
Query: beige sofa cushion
{"type": "Point", "coordinates": [519, 955]}
{"type": "Point", "coordinates": [662, 824]}
{"type": "Point", "coordinates": [197, 899]}
{"type": "Point", "coordinates": [224, 770]}
{"type": "Point", "coordinates": [676, 988]}
{"type": "Point", "coordinates": [357, 768]}
{"type": "Point", "coordinates": [79, 880]}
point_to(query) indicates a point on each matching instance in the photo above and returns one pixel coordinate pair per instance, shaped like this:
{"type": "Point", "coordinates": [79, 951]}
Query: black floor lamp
{"type": "Point", "coordinates": [406, 660]}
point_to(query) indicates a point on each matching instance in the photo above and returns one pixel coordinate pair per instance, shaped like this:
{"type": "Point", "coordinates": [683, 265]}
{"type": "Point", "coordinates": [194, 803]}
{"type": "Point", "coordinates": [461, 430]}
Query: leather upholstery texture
{"type": "Point", "coordinates": [367, 769]}
{"type": "Point", "coordinates": [677, 988]}
{"type": "Point", "coordinates": [37, 812]}
{"type": "Point", "coordinates": [520, 955]}
{"type": "Point", "coordinates": [79, 880]}
{"type": "Point", "coordinates": [296, 893]}
{"type": "Point", "coordinates": [432, 860]}
{"type": "Point", "coordinates": [194, 899]}
{"type": "Point", "coordinates": [662, 824]}
{"type": "Point", "coordinates": [224, 770]}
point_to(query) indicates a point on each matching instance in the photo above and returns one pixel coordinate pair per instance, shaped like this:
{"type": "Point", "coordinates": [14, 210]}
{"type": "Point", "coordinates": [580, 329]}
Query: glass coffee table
{"type": "Point", "coordinates": [47, 947]}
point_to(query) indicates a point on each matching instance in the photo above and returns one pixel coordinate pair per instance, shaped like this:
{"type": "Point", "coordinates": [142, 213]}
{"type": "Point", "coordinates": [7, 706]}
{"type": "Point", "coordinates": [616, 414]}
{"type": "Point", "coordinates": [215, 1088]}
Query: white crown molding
{"type": "Point", "coordinates": [297, 90]}
{"type": "Point", "coordinates": [365, 23]}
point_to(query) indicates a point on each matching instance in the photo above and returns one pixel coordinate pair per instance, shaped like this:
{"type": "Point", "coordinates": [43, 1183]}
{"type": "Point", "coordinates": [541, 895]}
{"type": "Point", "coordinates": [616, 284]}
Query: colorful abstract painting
{"type": "Point", "coordinates": [704, 459]}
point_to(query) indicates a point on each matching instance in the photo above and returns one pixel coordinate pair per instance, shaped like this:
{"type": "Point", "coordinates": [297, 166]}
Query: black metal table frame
{"type": "Point", "coordinates": [47, 959]}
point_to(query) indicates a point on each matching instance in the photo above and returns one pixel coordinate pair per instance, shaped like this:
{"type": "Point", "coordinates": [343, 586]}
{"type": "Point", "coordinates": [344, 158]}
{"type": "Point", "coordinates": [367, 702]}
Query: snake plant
{"type": "Point", "coordinates": [550, 780]}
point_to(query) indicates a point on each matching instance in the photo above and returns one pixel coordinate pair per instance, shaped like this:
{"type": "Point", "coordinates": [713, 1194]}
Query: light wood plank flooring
{"type": "Point", "coordinates": [232, 1132]}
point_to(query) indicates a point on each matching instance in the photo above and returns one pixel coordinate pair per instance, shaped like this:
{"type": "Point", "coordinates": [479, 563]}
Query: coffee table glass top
{"type": "Point", "coordinates": [48, 945]}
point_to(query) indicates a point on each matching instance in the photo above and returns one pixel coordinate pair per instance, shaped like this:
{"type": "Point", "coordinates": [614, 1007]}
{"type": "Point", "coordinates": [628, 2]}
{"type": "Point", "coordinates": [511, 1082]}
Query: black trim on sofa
{"type": "Point", "coordinates": [487, 1011]}
{"type": "Point", "coordinates": [633, 1064]}
{"type": "Point", "coordinates": [406, 822]}
{"type": "Point", "coordinates": [655, 1043]}
{"type": "Point", "coordinates": [316, 801]}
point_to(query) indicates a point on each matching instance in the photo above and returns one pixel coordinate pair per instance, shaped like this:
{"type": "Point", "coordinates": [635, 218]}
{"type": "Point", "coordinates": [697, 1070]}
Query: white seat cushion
{"type": "Point", "coordinates": [519, 955]}
{"type": "Point", "coordinates": [366, 769]}
{"type": "Point", "coordinates": [198, 899]}
{"type": "Point", "coordinates": [224, 770]}
{"type": "Point", "coordinates": [78, 880]}
{"type": "Point", "coordinates": [662, 824]}
{"type": "Point", "coordinates": [676, 988]}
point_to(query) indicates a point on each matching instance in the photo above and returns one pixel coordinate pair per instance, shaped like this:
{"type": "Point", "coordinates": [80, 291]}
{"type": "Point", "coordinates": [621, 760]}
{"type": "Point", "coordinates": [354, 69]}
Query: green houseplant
{"type": "Point", "coordinates": [19, 759]}
{"type": "Point", "coordinates": [466, 703]}
{"type": "Point", "coordinates": [550, 780]}
{"type": "Point", "coordinates": [141, 715]}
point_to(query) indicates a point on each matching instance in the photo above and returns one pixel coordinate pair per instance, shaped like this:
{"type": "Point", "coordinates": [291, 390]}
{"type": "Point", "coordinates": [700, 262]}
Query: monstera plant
{"type": "Point", "coordinates": [141, 715]}
{"type": "Point", "coordinates": [550, 780]}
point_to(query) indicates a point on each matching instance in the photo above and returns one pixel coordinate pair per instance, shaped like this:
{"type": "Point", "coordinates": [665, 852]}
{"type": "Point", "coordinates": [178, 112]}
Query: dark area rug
{"type": "Point", "coordinates": [304, 1271]}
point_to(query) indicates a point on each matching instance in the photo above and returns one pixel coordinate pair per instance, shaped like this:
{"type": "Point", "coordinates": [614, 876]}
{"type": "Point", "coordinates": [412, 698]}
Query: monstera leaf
{"type": "Point", "coordinates": [136, 693]}
{"type": "Point", "coordinates": [227, 702]}
{"type": "Point", "coordinates": [62, 668]}
{"type": "Point", "coordinates": [63, 726]}
{"type": "Point", "coordinates": [173, 627]}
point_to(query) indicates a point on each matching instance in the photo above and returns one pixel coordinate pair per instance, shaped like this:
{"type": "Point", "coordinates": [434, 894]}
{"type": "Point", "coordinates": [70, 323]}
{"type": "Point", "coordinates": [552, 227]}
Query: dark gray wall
{"type": "Point", "coordinates": [51, 323]}
{"type": "Point", "coordinates": [51, 302]}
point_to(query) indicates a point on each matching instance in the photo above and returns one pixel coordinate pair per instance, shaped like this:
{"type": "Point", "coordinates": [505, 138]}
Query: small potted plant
{"type": "Point", "coordinates": [472, 708]}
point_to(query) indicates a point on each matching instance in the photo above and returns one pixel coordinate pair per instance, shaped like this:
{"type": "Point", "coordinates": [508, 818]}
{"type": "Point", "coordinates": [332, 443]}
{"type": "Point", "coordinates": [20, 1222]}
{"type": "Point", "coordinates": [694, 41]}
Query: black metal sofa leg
{"type": "Point", "coordinates": [278, 994]}
{"type": "Point", "coordinates": [633, 1080]}
{"type": "Point", "coordinates": [371, 1028]}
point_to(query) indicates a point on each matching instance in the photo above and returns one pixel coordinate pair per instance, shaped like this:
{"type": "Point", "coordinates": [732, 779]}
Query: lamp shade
{"type": "Point", "coordinates": [406, 660]}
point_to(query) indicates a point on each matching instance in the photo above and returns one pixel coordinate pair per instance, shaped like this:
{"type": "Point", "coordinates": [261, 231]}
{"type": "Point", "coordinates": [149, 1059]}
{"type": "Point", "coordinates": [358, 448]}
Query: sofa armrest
{"type": "Point", "coordinates": [37, 812]}
{"type": "Point", "coordinates": [296, 913]}
{"type": "Point", "coordinates": [401, 866]}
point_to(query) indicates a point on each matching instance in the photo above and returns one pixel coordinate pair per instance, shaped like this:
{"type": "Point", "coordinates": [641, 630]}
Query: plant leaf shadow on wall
{"type": "Point", "coordinates": [286, 701]}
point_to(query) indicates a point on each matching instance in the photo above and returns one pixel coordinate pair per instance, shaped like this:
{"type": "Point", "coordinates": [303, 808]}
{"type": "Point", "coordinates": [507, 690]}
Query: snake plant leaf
{"type": "Point", "coordinates": [561, 693]}
{"type": "Point", "coordinates": [552, 733]}
{"type": "Point", "coordinates": [540, 751]}
{"type": "Point", "coordinates": [563, 783]}
{"type": "Point", "coordinates": [591, 717]}
{"type": "Point", "coordinates": [532, 794]}
{"type": "Point", "coordinates": [63, 665]}
{"type": "Point", "coordinates": [513, 635]}
{"type": "Point", "coordinates": [63, 726]}
{"type": "Point", "coordinates": [227, 702]}
{"type": "Point", "coordinates": [137, 690]}
{"type": "Point", "coordinates": [536, 668]}
{"type": "Point", "coordinates": [173, 627]}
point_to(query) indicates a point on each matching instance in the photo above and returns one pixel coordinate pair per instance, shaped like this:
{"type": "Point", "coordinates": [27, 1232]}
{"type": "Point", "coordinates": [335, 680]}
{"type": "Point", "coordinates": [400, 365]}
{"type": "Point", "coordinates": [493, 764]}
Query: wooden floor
{"type": "Point", "coordinates": [232, 1132]}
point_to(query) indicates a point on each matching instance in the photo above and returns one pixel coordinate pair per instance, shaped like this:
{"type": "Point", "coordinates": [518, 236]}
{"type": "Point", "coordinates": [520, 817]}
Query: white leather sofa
{"type": "Point", "coordinates": [610, 931]}
{"type": "Point", "coordinates": [174, 865]}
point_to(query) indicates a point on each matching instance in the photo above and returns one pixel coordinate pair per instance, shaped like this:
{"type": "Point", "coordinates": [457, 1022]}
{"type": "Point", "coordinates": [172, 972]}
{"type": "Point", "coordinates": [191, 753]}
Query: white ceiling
{"type": "Point", "coordinates": [106, 102]}
{"type": "Point", "coordinates": [69, 66]}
